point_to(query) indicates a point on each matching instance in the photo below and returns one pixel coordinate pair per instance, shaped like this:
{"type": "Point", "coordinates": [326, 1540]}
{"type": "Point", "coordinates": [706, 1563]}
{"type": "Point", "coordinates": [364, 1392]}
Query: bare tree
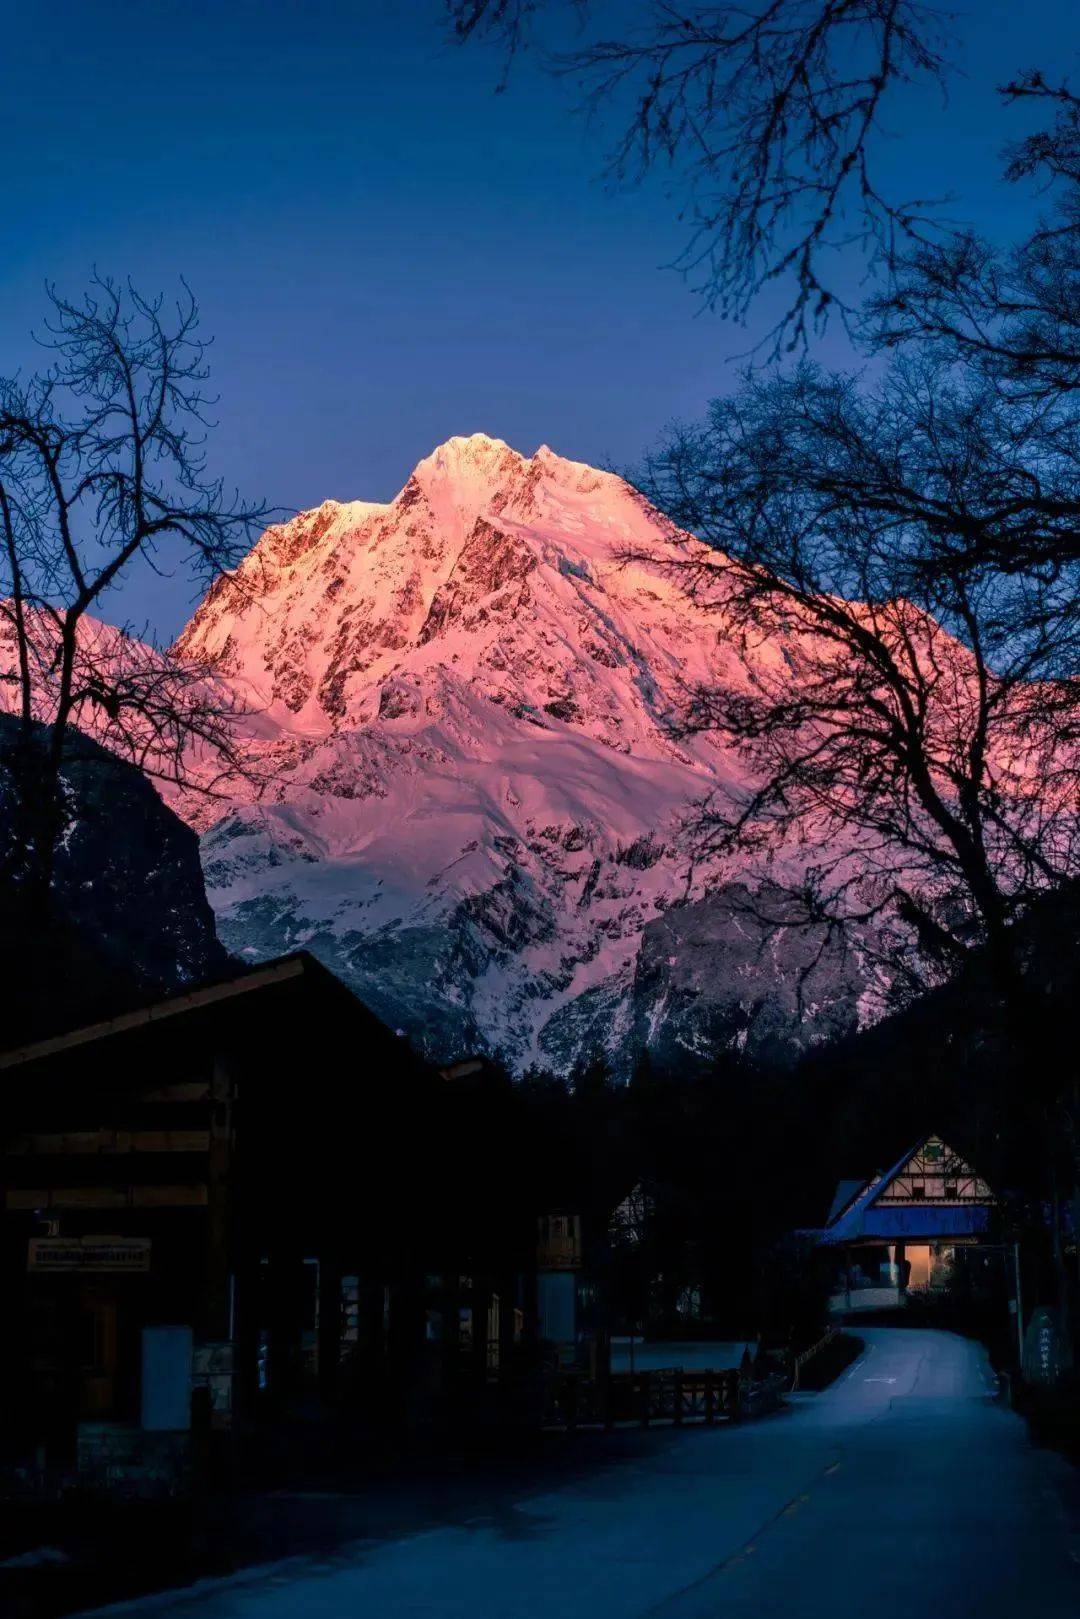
{"type": "Point", "coordinates": [918, 537]}
{"type": "Point", "coordinates": [769, 112]}
{"type": "Point", "coordinates": [920, 730]}
{"type": "Point", "coordinates": [102, 464]}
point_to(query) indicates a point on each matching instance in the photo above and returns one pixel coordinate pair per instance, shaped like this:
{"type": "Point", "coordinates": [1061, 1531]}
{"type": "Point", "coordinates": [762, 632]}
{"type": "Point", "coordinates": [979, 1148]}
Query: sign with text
{"type": "Point", "coordinates": [1047, 1358]}
{"type": "Point", "coordinates": [65, 1254]}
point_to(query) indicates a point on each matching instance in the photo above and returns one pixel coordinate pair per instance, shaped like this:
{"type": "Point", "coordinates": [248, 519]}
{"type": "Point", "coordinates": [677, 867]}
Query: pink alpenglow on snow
{"type": "Point", "coordinates": [475, 811]}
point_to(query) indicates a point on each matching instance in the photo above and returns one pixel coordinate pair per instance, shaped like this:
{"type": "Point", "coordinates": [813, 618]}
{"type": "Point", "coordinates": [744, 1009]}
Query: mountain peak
{"type": "Point", "coordinates": [472, 450]}
{"type": "Point", "coordinates": [482, 550]}
{"type": "Point", "coordinates": [479, 459]}
{"type": "Point", "coordinates": [474, 444]}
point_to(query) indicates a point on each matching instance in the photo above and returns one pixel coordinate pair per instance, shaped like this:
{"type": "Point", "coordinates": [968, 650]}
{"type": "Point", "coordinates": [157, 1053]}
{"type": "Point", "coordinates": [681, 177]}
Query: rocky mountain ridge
{"type": "Point", "coordinates": [473, 802]}
{"type": "Point", "coordinates": [130, 919]}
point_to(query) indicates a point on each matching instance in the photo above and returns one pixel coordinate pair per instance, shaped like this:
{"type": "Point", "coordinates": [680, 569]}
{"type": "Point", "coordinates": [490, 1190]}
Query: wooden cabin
{"type": "Point", "coordinates": [241, 1208]}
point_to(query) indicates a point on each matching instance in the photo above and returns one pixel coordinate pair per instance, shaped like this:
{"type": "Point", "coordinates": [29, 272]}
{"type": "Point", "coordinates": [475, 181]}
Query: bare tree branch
{"type": "Point", "coordinates": [912, 707]}
{"type": "Point", "coordinates": [770, 114]}
{"type": "Point", "coordinates": [102, 464]}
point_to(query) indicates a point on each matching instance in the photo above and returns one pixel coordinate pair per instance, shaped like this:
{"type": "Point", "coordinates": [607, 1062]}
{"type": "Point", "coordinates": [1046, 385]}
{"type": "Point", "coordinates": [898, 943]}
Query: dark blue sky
{"type": "Point", "coordinates": [385, 251]}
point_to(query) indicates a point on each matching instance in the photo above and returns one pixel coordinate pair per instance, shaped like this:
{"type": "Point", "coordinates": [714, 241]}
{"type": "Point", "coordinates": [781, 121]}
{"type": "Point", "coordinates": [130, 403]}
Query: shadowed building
{"type": "Point", "coordinates": [898, 1232]}
{"type": "Point", "coordinates": [241, 1209]}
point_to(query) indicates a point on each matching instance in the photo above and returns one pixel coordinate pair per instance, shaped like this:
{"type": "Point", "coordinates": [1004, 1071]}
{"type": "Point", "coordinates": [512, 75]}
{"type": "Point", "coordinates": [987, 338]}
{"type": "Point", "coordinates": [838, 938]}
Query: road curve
{"type": "Point", "coordinates": [905, 1491]}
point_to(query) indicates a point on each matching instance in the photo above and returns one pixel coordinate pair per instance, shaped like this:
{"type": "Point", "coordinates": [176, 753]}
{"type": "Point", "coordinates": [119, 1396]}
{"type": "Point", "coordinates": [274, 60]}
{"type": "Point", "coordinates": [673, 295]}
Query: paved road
{"type": "Point", "coordinates": [904, 1490]}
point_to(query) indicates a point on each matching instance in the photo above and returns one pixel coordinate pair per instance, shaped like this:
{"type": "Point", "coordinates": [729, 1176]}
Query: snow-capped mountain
{"type": "Point", "coordinates": [471, 800]}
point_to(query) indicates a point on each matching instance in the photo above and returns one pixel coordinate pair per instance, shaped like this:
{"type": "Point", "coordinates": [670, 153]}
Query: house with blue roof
{"type": "Point", "coordinates": [898, 1233]}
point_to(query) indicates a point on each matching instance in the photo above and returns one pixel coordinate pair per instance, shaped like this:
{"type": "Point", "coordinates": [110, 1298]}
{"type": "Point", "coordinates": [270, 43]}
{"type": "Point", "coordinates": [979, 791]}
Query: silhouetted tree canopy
{"type": "Point", "coordinates": [102, 464]}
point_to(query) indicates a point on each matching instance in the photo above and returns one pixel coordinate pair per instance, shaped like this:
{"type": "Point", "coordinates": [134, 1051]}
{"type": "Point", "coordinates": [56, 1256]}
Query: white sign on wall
{"type": "Point", "coordinates": [62, 1254]}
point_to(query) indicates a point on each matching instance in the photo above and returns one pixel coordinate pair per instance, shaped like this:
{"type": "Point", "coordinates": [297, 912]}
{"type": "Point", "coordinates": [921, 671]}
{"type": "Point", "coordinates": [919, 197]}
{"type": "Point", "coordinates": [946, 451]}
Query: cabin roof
{"type": "Point", "coordinates": [845, 1192]}
{"type": "Point", "coordinates": [861, 1214]}
{"type": "Point", "coordinates": [243, 981]}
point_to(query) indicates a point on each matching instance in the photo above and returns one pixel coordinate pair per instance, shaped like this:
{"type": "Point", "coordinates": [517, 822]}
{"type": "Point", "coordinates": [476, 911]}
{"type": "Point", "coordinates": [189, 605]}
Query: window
{"type": "Point", "coordinates": [951, 1189]}
{"type": "Point", "coordinates": [350, 1316]}
{"type": "Point", "coordinates": [918, 1189]}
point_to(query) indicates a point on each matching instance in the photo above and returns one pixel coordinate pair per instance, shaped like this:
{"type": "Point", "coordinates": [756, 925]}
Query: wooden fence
{"type": "Point", "coordinates": [808, 1354]}
{"type": "Point", "coordinates": [667, 1395]}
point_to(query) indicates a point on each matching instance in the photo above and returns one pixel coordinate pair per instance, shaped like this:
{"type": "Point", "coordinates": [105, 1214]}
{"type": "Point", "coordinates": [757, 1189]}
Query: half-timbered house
{"type": "Point", "coordinates": [898, 1232]}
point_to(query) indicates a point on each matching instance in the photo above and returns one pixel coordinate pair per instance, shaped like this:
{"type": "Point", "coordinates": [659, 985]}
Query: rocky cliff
{"type": "Point", "coordinates": [130, 918]}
